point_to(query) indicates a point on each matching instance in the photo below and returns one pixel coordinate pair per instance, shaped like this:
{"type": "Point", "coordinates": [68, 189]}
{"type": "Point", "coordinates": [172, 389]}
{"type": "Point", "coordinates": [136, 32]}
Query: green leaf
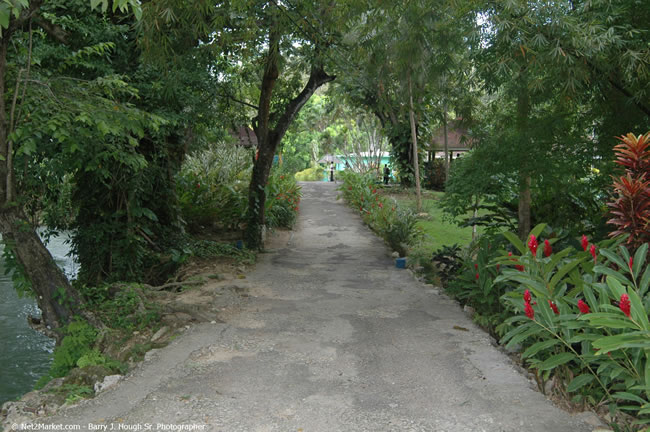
{"type": "Point", "coordinates": [94, 3]}
{"type": "Point", "coordinates": [555, 361]}
{"type": "Point", "coordinates": [613, 258]}
{"type": "Point", "coordinates": [537, 230]}
{"type": "Point", "coordinates": [629, 397]}
{"type": "Point", "coordinates": [639, 259]}
{"type": "Point", "coordinates": [626, 340]}
{"type": "Point", "coordinates": [613, 273]}
{"type": "Point", "coordinates": [579, 381]}
{"type": "Point", "coordinates": [615, 287]}
{"type": "Point", "coordinates": [608, 320]}
{"type": "Point", "coordinates": [566, 268]}
{"type": "Point", "coordinates": [645, 282]}
{"type": "Point", "coordinates": [5, 14]}
{"type": "Point", "coordinates": [537, 347]}
{"type": "Point", "coordinates": [638, 311]}
{"type": "Point", "coordinates": [512, 238]}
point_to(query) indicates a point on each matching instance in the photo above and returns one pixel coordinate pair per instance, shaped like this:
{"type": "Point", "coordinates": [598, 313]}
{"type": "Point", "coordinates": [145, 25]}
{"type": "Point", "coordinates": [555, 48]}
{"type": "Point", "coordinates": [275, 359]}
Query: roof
{"type": "Point", "coordinates": [244, 136]}
{"type": "Point", "coordinates": [457, 137]}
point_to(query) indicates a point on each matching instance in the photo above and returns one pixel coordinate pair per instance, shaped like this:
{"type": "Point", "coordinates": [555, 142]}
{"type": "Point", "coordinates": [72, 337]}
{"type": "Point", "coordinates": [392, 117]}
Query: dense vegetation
{"type": "Point", "coordinates": [117, 120]}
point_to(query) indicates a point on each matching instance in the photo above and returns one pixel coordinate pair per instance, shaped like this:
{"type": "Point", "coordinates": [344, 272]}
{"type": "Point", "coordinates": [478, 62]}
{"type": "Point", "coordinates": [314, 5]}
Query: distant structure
{"type": "Point", "coordinates": [244, 137]}
{"type": "Point", "coordinates": [458, 140]}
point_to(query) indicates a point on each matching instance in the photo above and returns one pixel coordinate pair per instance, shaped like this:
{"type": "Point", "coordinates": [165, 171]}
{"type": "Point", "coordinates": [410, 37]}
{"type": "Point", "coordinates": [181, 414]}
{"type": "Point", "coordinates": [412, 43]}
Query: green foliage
{"type": "Point", "coordinates": [474, 283]}
{"type": "Point", "coordinates": [315, 173]}
{"type": "Point", "coordinates": [434, 174]}
{"type": "Point", "coordinates": [74, 392]}
{"type": "Point", "coordinates": [282, 200]}
{"type": "Point", "coordinates": [121, 306]}
{"type": "Point", "coordinates": [396, 225]}
{"type": "Point", "coordinates": [79, 338]}
{"type": "Point", "coordinates": [603, 351]}
{"type": "Point", "coordinates": [207, 249]}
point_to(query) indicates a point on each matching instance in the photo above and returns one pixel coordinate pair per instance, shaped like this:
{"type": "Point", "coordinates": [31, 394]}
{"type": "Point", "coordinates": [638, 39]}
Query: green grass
{"type": "Point", "coordinates": [437, 230]}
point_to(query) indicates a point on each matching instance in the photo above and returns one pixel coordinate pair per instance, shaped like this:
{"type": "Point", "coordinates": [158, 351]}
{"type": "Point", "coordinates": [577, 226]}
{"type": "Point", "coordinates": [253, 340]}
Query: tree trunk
{"type": "Point", "coordinates": [268, 138]}
{"type": "Point", "coordinates": [446, 140]}
{"type": "Point", "coordinates": [416, 167]}
{"type": "Point", "coordinates": [525, 201]}
{"type": "Point", "coordinates": [56, 298]}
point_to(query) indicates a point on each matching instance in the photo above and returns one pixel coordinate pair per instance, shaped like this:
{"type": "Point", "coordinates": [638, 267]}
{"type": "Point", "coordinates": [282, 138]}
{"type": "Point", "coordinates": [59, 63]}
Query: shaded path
{"type": "Point", "coordinates": [334, 338]}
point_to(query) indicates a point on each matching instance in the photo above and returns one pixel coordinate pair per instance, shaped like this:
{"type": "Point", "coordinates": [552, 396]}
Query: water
{"type": "Point", "coordinates": [25, 355]}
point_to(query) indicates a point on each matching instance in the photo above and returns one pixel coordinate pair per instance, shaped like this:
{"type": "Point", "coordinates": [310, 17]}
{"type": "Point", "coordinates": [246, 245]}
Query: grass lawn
{"type": "Point", "coordinates": [437, 231]}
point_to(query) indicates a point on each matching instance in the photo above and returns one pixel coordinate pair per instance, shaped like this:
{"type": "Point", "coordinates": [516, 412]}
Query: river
{"type": "Point", "coordinates": [25, 354]}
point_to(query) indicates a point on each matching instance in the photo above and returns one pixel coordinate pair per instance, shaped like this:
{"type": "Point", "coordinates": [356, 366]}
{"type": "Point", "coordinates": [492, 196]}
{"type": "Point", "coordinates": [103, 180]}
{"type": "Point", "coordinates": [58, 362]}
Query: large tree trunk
{"type": "Point", "coordinates": [414, 137]}
{"type": "Point", "coordinates": [525, 201]}
{"type": "Point", "coordinates": [269, 137]}
{"type": "Point", "coordinates": [58, 301]}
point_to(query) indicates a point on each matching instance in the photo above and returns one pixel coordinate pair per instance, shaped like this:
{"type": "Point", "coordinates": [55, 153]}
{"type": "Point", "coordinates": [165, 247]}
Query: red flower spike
{"type": "Point", "coordinates": [630, 263]}
{"type": "Point", "coordinates": [498, 267]}
{"type": "Point", "coordinates": [528, 310]}
{"type": "Point", "coordinates": [509, 253]}
{"type": "Point", "coordinates": [592, 251]}
{"type": "Point", "coordinates": [527, 297]}
{"type": "Point", "coordinates": [554, 307]}
{"type": "Point", "coordinates": [584, 242]}
{"type": "Point", "coordinates": [584, 308]}
{"type": "Point", "coordinates": [476, 266]}
{"type": "Point", "coordinates": [519, 267]}
{"type": "Point", "coordinates": [532, 245]}
{"type": "Point", "coordinates": [477, 276]}
{"type": "Point", "coordinates": [624, 304]}
{"type": "Point", "coordinates": [548, 250]}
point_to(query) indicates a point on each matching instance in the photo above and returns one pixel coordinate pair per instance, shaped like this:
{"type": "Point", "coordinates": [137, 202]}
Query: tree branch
{"type": "Point", "coordinates": [52, 30]}
{"type": "Point", "coordinates": [317, 78]}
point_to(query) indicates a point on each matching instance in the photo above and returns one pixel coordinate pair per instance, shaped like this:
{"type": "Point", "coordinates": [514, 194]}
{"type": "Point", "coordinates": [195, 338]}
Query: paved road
{"type": "Point", "coordinates": [333, 338]}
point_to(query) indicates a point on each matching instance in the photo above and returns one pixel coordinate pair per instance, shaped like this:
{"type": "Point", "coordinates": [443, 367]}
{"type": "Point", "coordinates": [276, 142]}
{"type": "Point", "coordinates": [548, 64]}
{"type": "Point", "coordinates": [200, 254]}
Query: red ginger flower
{"type": "Point", "coordinates": [554, 307]}
{"type": "Point", "coordinates": [592, 251]}
{"type": "Point", "coordinates": [630, 263]}
{"type": "Point", "coordinates": [548, 250]}
{"type": "Point", "coordinates": [528, 310]}
{"type": "Point", "coordinates": [519, 267]}
{"type": "Point", "coordinates": [584, 308]}
{"type": "Point", "coordinates": [527, 297]}
{"type": "Point", "coordinates": [477, 276]}
{"type": "Point", "coordinates": [624, 304]}
{"type": "Point", "coordinates": [476, 266]}
{"type": "Point", "coordinates": [532, 244]}
{"type": "Point", "coordinates": [584, 242]}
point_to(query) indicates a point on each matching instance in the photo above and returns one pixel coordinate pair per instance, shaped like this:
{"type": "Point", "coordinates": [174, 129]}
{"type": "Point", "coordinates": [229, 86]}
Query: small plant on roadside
{"type": "Point", "coordinates": [282, 200]}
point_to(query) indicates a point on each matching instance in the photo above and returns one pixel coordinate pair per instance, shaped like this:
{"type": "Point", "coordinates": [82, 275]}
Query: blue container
{"type": "Point", "coordinates": [239, 244]}
{"type": "Point", "coordinates": [400, 263]}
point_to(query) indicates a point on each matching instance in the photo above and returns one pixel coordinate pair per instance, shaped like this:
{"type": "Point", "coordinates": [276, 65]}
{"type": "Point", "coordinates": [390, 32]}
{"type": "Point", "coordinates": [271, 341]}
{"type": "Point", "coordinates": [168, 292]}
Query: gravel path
{"type": "Point", "coordinates": [332, 338]}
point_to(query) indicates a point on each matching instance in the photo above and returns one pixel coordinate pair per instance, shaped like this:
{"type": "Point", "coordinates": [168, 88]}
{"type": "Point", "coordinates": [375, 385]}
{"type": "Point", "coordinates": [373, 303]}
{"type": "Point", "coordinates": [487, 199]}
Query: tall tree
{"type": "Point", "coordinates": [58, 301]}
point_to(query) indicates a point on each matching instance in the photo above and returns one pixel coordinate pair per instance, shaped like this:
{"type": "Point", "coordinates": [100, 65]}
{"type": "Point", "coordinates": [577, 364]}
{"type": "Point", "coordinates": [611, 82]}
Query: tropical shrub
{"type": "Point", "coordinates": [396, 225]}
{"type": "Point", "coordinates": [212, 187]}
{"type": "Point", "coordinates": [631, 205]}
{"type": "Point", "coordinates": [581, 317]}
{"type": "Point", "coordinates": [434, 174]}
